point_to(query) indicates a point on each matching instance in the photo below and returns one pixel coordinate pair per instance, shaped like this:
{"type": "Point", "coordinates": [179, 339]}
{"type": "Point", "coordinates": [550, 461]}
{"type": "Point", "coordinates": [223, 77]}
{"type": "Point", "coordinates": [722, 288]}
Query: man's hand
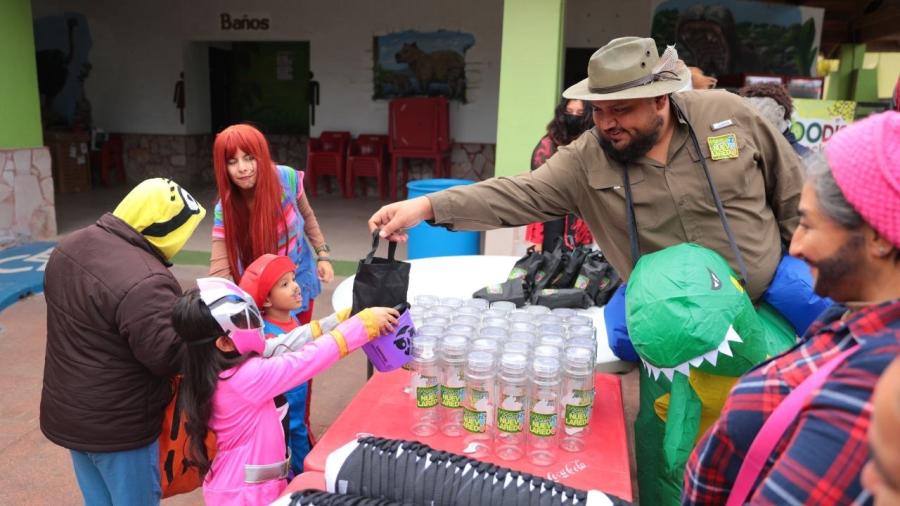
{"type": "Point", "coordinates": [395, 219]}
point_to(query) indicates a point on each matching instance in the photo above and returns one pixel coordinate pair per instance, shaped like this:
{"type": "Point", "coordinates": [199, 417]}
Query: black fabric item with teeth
{"type": "Point", "coordinates": [408, 472]}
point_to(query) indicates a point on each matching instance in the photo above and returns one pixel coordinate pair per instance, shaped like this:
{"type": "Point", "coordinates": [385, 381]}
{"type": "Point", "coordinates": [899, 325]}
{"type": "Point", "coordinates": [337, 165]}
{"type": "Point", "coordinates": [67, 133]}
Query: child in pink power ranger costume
{"type": "Point", "coordinates": [230, 384]}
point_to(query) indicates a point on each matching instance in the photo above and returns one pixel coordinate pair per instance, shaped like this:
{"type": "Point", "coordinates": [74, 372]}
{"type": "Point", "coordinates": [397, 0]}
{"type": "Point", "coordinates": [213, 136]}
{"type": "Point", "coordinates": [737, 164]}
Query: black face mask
{"type": "Point", "coordinates": [575, 125]}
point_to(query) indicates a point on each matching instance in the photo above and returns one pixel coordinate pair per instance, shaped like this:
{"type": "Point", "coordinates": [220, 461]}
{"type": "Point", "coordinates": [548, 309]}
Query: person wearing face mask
{"type": "Point", "coordinates": [571, 118]}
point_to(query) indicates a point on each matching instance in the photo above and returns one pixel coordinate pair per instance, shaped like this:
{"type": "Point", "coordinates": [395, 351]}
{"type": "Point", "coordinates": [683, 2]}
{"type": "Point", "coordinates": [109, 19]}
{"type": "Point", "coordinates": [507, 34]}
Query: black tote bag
{"type": "Point", "coordinates": [380, 282]}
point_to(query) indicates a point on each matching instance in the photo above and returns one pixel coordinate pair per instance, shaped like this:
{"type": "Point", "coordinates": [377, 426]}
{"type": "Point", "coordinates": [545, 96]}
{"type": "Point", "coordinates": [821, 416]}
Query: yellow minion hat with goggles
{"type": "Point", "coordinates": [163, 212]}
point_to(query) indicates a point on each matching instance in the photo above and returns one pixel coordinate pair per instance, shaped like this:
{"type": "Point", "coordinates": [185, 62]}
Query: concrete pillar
{"type": "Point", "coordinates": [20, 125]}
{"type": "Point", "coordinates": [531, 59]}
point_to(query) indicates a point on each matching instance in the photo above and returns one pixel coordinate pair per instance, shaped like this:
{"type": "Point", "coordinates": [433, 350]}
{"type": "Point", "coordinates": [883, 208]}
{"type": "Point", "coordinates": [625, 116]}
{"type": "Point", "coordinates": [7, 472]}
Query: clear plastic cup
{"type": "Point", "coordinates": [521, 327]}
{"type": "Point", "coordinates": [425, 391]}
{"type": "Point", "coordinates": [441, 310]}
{"type": "Point", "coordinates": [417, 313]}
{"type": "Point", "coordinates": [503, 305]}
{"type": "Point", "coordinates": [551, 328]}
{"type": "Point", "coordinates": [495, 322]}
{"type": "Point", "coordinates": [494, 313]}
{"type": "Point", "coordinates": [452, 360]}
{"type": "Point", "coordinates": [575, 320]}
{"type": "Point", "coordinates": [549, 319]}
{"type": "Point", "coordinates": [520, 315]}
{"type": "Point", "coordinates": [454, 302]}
{"type": "Point", "coordinates": [469, 311]}
{"type": "Point", "coordinates": [581, 331]}
{"type": "Point", "coordinates": [563, 312]}
{"type": "Point", "coordinates": [516, 347]}
{"type": "Point", "coordinates": [491, 346]}
{"type": "Point", "coordinates": [495, 333]}
{"type": "Point", "coordinates": [583, 342]}
{"type": "Point", "coordinates": [436, 331]}
{"type": "Point", "coordinates": [512, 400]}
{"type": "Point", "coordinates": [478, 404]}
{"type": "Point", "coordinates": [436, 320]}
{"type": "Point", "coordinates": [546, 351]}
{"type": "Point", "coordinates": [577, 398]}
{"type": "Point", "coordinates": [459, 329]}
{"type": "Point", "coordinates": [466, 319]}
{"type": "Point", "coordinates": [479, 304]}
{"type": "Point", "coordinates": [425, 300]}
{"type": "Point", "coordinates": [543, 411]}
{"type": "Point", "coordinates": [523, 337]}
{"type": "Point", "coordinates": [537, 309]}
{"type": "Point", "coordinates": [552, 340]}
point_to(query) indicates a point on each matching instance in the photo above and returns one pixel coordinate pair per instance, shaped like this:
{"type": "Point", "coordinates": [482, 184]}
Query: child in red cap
{"type": "Point", "coordinates": [270, 281]}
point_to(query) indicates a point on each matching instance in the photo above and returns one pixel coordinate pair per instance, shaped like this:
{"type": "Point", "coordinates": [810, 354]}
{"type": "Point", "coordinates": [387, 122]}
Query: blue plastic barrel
{"type": "Point", "coordinates": [428, 241]}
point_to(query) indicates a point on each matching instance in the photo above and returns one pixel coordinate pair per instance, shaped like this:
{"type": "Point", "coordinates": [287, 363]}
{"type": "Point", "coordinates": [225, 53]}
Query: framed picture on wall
{"type": "Point", "coordinates": [805, 87]}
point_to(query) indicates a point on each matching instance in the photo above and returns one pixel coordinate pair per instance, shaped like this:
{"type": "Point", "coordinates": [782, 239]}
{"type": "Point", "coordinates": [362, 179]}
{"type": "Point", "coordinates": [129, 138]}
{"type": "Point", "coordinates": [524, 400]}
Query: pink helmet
{"type": "Point", "coordinates": [235, 312]}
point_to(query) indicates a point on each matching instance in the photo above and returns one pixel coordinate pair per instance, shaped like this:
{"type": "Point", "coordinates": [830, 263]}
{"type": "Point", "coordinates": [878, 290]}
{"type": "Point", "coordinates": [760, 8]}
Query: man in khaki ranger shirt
{"type": "Point", "coordinates": [755, 171]}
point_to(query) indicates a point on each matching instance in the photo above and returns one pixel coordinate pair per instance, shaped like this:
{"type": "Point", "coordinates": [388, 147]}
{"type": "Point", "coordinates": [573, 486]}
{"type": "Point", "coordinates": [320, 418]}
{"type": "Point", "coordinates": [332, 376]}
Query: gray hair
{"type": "Point", "coordinates": [831, 199]}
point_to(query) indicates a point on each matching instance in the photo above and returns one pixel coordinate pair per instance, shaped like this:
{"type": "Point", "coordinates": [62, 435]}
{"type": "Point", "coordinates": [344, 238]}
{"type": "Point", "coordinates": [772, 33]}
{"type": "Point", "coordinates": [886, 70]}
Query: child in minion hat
{"type": "Point", "coordinates": [270, 281]}
{"type": "Point", "coordinates": [163, 212]}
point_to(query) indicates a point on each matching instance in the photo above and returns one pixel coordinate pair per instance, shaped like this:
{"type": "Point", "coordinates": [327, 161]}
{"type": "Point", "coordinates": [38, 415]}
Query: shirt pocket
{"type": "Point", "coordinates": [609, 186]}
{"type": "Point", "coordinates": [730, 175]}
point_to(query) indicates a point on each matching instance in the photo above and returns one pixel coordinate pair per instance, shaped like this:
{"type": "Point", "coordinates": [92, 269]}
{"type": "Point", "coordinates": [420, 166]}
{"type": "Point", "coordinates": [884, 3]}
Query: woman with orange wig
{"type": "Point", "coordinates": [262, 208]}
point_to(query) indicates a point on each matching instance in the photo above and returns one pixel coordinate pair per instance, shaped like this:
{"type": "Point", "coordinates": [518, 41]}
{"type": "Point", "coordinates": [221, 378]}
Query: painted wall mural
{"type": "Point", "coordinates": [414, 63]}
{"type": "Point", "coordinates": [725, 37]}
{"type": "Point", "coordinates": [62, 44]}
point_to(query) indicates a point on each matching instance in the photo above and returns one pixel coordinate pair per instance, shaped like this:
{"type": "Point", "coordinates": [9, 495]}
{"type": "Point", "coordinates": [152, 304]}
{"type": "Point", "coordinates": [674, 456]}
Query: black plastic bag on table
{"type": "Point", "coordinates": [598, 278]}
{"type": "Point", "coordinates": [554, 264]}
{"type": "Point", "coordinates": [528, 265]}
{"type": "Point", "coordinates": [553, 298]}
{"type": "Point", "coordinates": [513, 290]}
{"type": "Point", "coordinates": [574, 259]}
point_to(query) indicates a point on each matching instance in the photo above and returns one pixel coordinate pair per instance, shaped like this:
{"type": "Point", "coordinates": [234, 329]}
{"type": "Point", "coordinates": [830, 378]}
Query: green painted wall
{"type": "Point", "coordinates": [20, 126]}
{"type": "Point", "coordinates": [530, 74]}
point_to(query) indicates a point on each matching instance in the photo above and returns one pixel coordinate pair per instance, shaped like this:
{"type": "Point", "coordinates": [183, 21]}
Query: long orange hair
{"type": "Point", "coordinates": [249, 233]}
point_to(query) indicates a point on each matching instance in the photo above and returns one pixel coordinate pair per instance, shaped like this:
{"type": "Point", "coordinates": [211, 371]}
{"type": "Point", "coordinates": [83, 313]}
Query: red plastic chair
{"type": "Point", "coordinates": [326, 155]}
{"type": "Point", "coordinates": [418, 128]}
{"type": "Point", "coordinates": [366, 158]}
{"type": "Point", "coordinates": [111, 160]}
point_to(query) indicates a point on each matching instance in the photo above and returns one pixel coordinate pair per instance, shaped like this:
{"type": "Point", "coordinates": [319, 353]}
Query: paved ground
{"type": "Point", "coordinates": [37, 472]}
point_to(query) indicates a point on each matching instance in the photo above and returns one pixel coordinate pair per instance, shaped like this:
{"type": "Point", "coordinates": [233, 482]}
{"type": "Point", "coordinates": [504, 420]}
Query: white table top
{"type": "Point", "coordinates": [461, 276]}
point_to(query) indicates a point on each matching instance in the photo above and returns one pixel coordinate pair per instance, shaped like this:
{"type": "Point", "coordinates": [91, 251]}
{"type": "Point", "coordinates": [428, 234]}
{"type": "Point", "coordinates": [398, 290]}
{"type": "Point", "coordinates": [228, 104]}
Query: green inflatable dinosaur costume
{"type": "Point", "coordinates": [696, 331]}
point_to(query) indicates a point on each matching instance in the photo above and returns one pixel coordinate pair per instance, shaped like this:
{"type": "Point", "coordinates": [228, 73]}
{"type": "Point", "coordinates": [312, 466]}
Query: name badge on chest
{"type": "Point", "coordinates": [723, 147]}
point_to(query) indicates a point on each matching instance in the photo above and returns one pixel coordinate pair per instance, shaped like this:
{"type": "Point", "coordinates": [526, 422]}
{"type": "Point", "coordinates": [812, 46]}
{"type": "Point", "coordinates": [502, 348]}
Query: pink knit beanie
{"type": "Point", "coordinates": [865, 161]}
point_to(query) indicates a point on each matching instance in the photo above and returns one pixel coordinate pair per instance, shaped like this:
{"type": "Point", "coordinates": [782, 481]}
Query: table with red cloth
{"type": "Point", "coordinates": [382, 408]}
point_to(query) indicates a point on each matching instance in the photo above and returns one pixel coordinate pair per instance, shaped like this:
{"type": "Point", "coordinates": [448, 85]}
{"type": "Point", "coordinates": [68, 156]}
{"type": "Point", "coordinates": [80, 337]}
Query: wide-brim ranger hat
{"type": "Point", "coordinates": [630, 67]}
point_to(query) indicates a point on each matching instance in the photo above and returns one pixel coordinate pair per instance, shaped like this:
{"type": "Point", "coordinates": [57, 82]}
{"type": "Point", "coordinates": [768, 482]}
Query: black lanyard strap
{"type": "Point", "coordinates": [715, 193]}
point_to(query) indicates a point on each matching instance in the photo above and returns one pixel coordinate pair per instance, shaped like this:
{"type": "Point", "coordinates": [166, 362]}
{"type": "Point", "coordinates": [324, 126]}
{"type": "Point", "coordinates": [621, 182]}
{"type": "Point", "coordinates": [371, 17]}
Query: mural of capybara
{"type": "Point", "coordinates": [438, 67]}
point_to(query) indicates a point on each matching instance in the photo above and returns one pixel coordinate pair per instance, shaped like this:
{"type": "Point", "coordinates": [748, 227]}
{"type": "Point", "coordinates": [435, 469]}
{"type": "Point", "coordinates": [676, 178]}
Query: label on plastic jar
{"type": "Point", "coordinates": [541, 424]}
{"type": "Point", "coordinates": [452, 397]}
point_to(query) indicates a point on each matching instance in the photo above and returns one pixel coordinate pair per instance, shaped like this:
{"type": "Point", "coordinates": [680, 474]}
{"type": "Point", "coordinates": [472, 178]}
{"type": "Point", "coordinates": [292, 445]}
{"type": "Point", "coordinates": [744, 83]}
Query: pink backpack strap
{"type": "Point", "coordinates": [776, 425]}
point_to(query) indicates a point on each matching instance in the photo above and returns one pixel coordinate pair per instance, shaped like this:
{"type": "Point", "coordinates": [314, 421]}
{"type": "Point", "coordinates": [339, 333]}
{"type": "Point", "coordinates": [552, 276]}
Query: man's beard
{"type": "Point", "coordinates": [838, 275]}
{"type": "Point", "coordinates": [641, 144]}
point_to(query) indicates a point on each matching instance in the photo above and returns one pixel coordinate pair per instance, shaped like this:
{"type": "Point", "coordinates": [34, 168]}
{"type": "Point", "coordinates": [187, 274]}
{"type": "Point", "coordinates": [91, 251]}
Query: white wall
{"type": "Point", "coordinates": [140, 46]}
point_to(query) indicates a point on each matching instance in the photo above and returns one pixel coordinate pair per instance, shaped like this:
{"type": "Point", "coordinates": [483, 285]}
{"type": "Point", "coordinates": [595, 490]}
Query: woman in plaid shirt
{"type": "Point", "coordinates": [849, 234]}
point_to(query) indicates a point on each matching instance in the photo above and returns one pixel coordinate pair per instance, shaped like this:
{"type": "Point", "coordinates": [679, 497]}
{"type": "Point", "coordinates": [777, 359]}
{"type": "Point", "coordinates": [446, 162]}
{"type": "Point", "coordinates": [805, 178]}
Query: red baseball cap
{"type": "Point", "coordinates": [262, 275]}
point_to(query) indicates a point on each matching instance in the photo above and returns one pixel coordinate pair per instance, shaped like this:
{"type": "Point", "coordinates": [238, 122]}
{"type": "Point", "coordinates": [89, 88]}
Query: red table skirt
{"type": "Point", "coordinates": [381, 408]}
